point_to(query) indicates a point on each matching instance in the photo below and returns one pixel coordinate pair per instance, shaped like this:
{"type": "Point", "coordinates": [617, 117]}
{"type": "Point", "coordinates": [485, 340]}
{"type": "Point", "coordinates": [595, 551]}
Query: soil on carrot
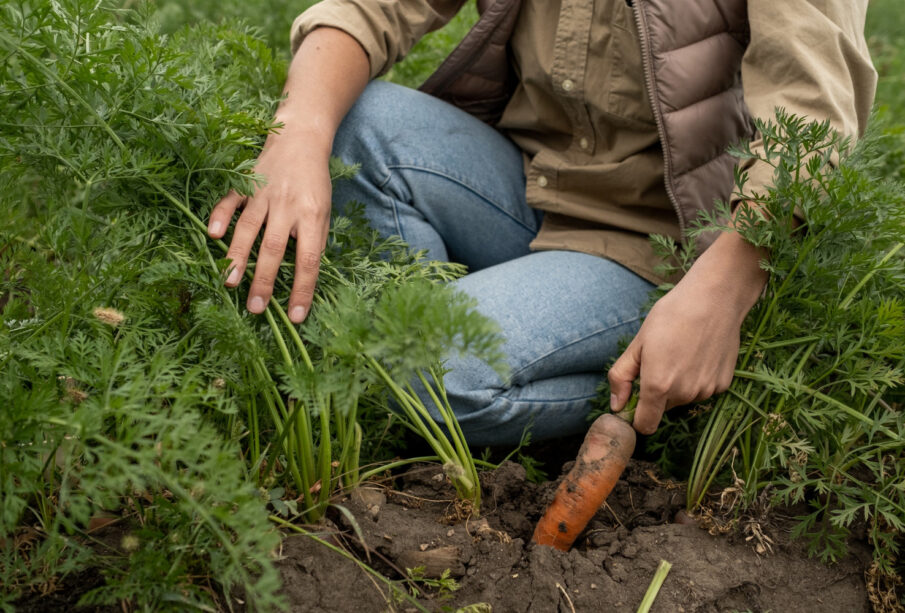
{"type": "Point", "coordinates": [609, 568]}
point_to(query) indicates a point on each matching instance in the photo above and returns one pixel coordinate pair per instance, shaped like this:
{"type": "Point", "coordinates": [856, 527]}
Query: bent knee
{"type": "Point", "coordinates": [383, 114]}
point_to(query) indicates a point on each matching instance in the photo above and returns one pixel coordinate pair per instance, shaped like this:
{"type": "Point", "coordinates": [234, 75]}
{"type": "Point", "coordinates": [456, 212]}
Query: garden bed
{"type": "Point", "coordinates": [608, 570]}
{"type": "Point", "coordinates": [156, 437]}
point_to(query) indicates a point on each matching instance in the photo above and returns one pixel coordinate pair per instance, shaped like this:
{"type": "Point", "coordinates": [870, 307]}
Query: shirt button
{"type": "Point", "coordinates": [542, 181]}
{"type": "Point", "coordinates": [568, 85]}
{"type": "Point", "coordinates": [583, 143]}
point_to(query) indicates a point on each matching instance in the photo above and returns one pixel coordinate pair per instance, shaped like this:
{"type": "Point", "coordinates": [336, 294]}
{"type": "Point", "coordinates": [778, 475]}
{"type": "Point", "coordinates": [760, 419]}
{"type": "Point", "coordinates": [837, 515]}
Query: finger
{"type": "Point", "coordinates": [247, 228]}
{"type": "Point", "coordinates": [725, 379]}
{"type": "Point", "coordinates": [652, 400]}
{"type": "Point", "coordinates": [222, 214]}
{"type": "Point", "coordinates": [270, 256]}
{"type": "Point", "coordinates": [704, 393]}
{"type": "Point", "coordinates": [621, 375]}
{"type": "Point", "coordinates": [307, 265]}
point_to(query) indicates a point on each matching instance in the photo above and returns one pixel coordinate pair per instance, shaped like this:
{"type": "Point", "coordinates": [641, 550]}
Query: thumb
{"type": "Point", "coordinates": [621, 375]}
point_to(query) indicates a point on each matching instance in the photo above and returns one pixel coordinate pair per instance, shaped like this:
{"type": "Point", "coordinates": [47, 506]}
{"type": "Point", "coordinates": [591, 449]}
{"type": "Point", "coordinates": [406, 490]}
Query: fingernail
{"type": "Point", "coordinates": [614, 399]}
{"type": "Point", "coordinates": [297, 314]}
{"type": "Point", "coordinates": [215, 228]}
{"type": "Point", "coordinates": [234, 276]}
{"type": "Point", "coordinates": [256, 305]}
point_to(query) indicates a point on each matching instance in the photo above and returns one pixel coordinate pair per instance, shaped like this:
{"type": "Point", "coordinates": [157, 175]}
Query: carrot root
{"type": "Point", "coordinates": [603, 456]}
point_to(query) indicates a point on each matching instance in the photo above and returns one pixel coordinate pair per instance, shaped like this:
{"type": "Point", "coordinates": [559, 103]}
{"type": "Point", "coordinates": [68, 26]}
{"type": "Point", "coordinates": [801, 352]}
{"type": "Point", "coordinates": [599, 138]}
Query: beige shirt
{"type": "Point", "coordinates": [580, 113]}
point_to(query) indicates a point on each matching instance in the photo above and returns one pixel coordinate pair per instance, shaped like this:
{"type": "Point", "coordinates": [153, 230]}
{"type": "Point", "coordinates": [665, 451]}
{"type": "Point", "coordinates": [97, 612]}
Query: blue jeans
{"type": "Point", "coordinates": [446, 182]}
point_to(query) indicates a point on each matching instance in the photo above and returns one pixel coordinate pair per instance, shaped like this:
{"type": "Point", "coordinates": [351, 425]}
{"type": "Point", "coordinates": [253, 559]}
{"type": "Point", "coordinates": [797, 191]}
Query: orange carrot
{"type": "Point", "coordinates": [603, 456]}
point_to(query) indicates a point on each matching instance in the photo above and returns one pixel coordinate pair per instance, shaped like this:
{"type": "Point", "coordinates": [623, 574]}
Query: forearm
{"type": "Point", "coordinates": [327, 75]}
{"type": "Point", "coordinates": [730, 272]}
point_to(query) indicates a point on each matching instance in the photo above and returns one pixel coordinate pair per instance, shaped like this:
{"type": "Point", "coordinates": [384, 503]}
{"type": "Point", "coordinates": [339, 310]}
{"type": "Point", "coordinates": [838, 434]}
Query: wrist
{"type": "Point", "coordinates": [316, 137]}
{"type": "Point", "coordinates": [731, 268]}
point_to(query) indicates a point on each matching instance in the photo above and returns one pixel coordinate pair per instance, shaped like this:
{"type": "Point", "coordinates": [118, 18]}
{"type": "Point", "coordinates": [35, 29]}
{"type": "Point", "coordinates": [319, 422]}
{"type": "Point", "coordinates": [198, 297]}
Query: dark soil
{"type": "Point", "coordinates": [609, 568]}
{"type": "Point", "coordinates": [65, 596]}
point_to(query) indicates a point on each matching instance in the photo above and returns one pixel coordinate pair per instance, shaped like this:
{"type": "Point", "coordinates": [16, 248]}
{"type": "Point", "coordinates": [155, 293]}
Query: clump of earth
{"type": "Point", "coordinates": [497, 568]}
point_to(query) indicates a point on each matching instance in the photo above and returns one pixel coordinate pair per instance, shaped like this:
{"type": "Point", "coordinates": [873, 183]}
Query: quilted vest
{"type": "Point", "coordinates": [692, 53]}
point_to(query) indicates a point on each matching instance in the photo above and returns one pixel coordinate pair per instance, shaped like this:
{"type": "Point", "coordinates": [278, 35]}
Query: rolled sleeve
{"type": "Point", "coordinates": [810, 58]}
{"type": "Point", "coordinates": [386, 29]}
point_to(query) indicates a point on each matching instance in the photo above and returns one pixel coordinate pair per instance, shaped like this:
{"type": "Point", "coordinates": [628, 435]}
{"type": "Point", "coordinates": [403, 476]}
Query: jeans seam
{"type": "Point", "coordinates": [493, 203]}
{"type": "Point", "coordinates": [392, 202]}
{"type": "Point", "coordinates": [398, 223]}
{"type": "Point", "coordinates": [546, 401]}
{"type": "Point", "coordinates": [567, 345]}
{"type": "Point", "coordinates": [383, 183]}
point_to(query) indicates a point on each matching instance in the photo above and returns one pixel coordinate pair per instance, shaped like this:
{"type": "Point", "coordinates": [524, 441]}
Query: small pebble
{"type": "Point", "coordinates": [593, 586]}
{"type": "Point", "coordinates": [450, 532]}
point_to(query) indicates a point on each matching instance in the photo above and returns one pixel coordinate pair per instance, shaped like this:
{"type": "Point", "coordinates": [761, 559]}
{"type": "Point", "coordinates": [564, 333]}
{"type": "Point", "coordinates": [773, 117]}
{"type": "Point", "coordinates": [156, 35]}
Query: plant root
{"type": "Point", "coordinates": [882, 590]}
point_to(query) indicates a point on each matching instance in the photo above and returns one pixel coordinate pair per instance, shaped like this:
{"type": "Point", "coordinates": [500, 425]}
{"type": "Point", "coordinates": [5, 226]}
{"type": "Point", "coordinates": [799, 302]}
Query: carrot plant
{"type": "Point", "coordinates": [393, 338]}
{"type": "Point", "coordinates": [136, 384]}
{"type": "Point", "coordinates": [111, 406]}
{"type": "Point", "coordinates": [812, 412]}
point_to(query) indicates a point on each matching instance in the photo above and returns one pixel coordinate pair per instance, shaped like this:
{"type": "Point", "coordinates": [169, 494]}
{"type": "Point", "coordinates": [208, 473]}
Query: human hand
{"type": "Point", "coordinates": [294, 202]}
{"type": "Point", "coordinates": [688, 344]}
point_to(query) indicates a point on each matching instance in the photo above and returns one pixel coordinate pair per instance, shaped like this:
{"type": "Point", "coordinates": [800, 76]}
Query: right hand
{"type": "Point", "coordinates": [294, 202]}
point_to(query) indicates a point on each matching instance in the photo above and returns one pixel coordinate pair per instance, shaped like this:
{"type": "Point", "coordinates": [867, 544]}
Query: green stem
{"type": "Point", "coordinates": [353, 471]}
{"type": "Point", "coordinates": [349, 432]}
{"type": "Point", "coordinates": [269, 394]}
{"type": "Point", "coordinates": [427, 421]}
{"type": "Point", "coordinates": [420, 420]}
{"type": "Point", "coordinates": [373, 472]}
{"type": "Point", "coordinates": [293, 333]}
{"type": "Point", "coordinates": [654, 587]}
{"type": "Point", "coordinates": [851, 295]}
{"type": "Point", "coordinates": [325, 455]}
{"type": "Point", "coordinates": [470, 488]}
{"type": "Point", "coordinates": [713, 450]}
{"type": "Point", "coordinates": [254, 431]}
{"type": "Point", "coordinates": [278, 337]}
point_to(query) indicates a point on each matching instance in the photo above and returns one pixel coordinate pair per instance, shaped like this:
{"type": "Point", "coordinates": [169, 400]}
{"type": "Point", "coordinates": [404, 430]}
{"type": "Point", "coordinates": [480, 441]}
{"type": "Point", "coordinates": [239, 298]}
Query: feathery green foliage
{"type": "Point", "coordinates": [133, 382]}
{"type": "Point", "coordinates": [272, 19]}
{"type": "Point", "coordinates": [811, 411]}
{"type": "Point", "coordinates": [886, 37]}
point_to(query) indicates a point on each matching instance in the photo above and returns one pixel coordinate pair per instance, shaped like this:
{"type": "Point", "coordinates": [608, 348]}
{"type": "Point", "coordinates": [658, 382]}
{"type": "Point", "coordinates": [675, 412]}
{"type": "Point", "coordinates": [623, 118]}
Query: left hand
{"type": "Point", "coordinates": [688, 344]}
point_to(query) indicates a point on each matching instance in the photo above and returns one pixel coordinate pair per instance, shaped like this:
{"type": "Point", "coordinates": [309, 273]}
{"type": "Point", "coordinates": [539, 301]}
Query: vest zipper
{"type": "Point", "coordinates": [647, 64]}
